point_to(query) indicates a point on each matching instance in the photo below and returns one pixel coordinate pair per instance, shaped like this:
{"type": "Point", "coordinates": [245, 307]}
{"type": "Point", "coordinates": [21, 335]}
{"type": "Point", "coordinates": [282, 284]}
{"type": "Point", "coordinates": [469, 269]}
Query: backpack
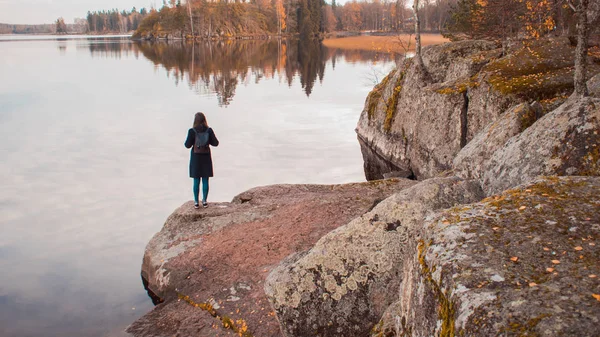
{"type": "Point", "coordinates": [201, 141]}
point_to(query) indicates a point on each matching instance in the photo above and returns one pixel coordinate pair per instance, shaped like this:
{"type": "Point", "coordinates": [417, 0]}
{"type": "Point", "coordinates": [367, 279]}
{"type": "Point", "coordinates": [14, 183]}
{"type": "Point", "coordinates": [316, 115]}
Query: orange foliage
{"type": "Point", "coordinates": [538, 17]}
{"type": "Point", "coordinates": [281, 16]}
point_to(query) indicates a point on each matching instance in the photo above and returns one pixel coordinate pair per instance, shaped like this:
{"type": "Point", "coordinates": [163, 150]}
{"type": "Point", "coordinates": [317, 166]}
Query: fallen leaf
{"type": "Point", "coordinates": [596, 296]}
{"type": "Point", "coordinates": [578, 248]}
{"type": "Point", "coordinates": [592, 244]}
{"type": "Point", "coordinates": [522, 208]}
{"type": "Point", "coordinates": [532, 284]}
{"type": "Point", "coordinates": [495, 228]}
{"type": "Point", "coordinates": [592, 276]}
{"type": "Point", "coordinates": [514, 259]}
{"type": "Point", "coordinates": [555, 261]}
{"type": "Point", "coordinates": [549, 270]}
{"type": "Point", "coordinates": [446, 222]}
{"type": "Point", "coordinates": [546, 249]}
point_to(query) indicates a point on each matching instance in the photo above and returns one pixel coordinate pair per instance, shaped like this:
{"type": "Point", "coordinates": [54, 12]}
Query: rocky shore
{"type": "Point", "coordinates": [222, 255]}
{"type": "Point", "coordinates": [496, 233]}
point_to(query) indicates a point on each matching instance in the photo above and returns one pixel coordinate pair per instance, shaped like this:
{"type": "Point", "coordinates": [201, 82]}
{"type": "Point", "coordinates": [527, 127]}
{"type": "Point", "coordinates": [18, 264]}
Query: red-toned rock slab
{"type": "Point", "coordinates": [221, 255]}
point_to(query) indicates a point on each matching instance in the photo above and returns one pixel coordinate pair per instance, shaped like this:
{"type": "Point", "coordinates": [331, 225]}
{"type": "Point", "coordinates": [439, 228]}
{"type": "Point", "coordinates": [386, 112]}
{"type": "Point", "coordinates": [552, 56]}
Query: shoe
{"type": "Point", "coordinates": [196, 206]}
{"type": "Point", "coordinates": [204, 204]}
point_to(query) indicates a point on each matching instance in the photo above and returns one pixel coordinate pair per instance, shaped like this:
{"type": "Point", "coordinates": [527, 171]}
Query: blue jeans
{"type": "Point", "coordinates": [197, 189]}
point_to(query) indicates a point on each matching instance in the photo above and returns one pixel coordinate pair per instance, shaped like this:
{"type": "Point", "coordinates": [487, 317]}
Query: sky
{"type": "Point", "coordinates": [47, 11]}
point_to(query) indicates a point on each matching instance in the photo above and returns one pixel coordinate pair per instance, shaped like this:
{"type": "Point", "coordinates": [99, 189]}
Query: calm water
{"type": "Point", "coordinates": [93, 161]}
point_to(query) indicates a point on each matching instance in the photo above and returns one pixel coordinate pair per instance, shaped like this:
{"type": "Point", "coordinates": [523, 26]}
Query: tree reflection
{"type": "Point", "coordinates": [218, 67]}
{"type": "Point", "coordinates": [109, 47]}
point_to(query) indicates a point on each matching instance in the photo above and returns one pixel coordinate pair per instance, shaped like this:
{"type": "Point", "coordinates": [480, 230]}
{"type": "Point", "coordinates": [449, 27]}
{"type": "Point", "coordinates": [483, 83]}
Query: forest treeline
{"type": "Point", "coordinates": [97, 22]}
{"type": "Point", "coordinates": [509, 19]}
{"type": "Point", "coordinates": [49, 28]}
{"type": "Point", "coordinates": [496, 19]}
{"type": "Point", "coordinates": [307, 18]}
{"type": "Point", "coordinates": [26, 29]}
{"type": "Point", "coordinates": [115, 21]}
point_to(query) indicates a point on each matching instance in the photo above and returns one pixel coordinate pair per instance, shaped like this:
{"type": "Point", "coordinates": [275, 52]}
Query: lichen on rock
{"type": "Point", "coordinates": [469, 162]}
{"type": "Point", "coordinates": [520, 263]}
{"type": "Point", "coordinates": [563, 142]}
{"type": "Point", "coordinates": [344, 283]}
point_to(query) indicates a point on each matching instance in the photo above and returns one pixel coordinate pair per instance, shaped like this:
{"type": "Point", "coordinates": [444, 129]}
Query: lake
{"type": "Point", "coordinates": [93, 160]}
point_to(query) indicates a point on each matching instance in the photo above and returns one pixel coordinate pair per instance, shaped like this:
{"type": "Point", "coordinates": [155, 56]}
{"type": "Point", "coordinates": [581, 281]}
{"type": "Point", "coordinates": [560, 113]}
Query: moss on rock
{"type": "Point", "coordinates": [539, 70]}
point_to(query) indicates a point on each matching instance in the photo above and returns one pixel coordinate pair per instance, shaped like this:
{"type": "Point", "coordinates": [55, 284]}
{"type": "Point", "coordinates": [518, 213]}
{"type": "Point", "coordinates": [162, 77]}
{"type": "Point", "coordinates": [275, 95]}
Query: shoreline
{"type": "Point", "coordinates": [388, 44]}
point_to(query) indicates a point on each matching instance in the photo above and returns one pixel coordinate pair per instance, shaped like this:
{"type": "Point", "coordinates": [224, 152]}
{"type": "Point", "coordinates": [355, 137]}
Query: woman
{"type": "Point", "coordinates": [200, 158]}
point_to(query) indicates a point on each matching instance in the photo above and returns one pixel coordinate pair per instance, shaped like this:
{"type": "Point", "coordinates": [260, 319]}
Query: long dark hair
{"type": "Point", "coordinates": [200, 120]}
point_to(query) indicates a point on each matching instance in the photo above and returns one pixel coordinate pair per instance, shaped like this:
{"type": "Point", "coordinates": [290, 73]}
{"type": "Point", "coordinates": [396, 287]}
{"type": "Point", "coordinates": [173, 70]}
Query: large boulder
{"type": "Point", "coordinates": [342, 286]}
{"type": "Point", "coordinates": [418, 123]}
{"type": "Point", "coordinates": [522, 263]}
{"type": "Point", "coordinates": [208, 266]}
{"type": "Point", "coordinates": [563, 142]}
{"type": "Point", "coordinates": [469, 162]}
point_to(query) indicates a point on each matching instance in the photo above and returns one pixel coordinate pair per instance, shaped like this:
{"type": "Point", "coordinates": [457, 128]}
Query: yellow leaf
{"type": "Point", "coordinates": [578, 248]}
{"type": "Point", "coordinates": [532, 284]}
{"type": "Point", "coordinates": [592, 276]}
{"type": "Point", "coordinates": [522, 208]}
{"type": "Point", "coordinates": [596, 296]}
{"type": "Point", "coordinates": [549, 270]}
{"type": "Point", "coordinates": [514, 259]}
{"type": "Point", "coordinates": [555, 261]}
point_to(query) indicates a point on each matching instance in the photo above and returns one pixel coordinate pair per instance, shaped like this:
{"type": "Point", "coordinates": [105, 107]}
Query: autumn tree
{"type": "Point", "coordinates": [281, 16]}
{"type": "Point", "coordinates": [588, 15]}
{"type": "Point", "coordinates": [352, 16]}
{"type": "Point", "coordinates": [61, 26]}
{"type": "Point", "coordinates": [329, 19]}
{"type": "Point", "coordinates": [538, 17]}
{"type": "Point", "coordinates": [487, 19]}
{"type": "Point", "coordinates": [399, 11]}
{"type": "Point", "coordinates": [189, 10]}
{"type": "Point", "coordinates": [418, 56]}
{"type": "Point", "coordinates": [309, 19]}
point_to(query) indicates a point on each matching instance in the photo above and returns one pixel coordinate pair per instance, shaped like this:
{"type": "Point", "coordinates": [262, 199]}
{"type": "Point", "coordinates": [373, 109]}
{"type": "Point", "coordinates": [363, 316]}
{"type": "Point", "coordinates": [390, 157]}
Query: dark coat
{"type": "Point", "coordinates": [200, 163]}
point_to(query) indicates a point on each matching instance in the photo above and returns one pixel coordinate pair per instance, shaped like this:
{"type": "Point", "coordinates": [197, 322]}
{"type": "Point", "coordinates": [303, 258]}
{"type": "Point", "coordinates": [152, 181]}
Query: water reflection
{"type": "Point", "coordinates": [219, 67]}
{"type": "Point", "coordinates": [109, 48]}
